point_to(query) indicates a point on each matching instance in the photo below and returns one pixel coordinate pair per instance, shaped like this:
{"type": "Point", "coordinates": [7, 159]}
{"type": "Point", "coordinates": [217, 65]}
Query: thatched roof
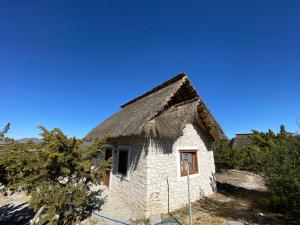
{"type": "Point", "coordinates": [161, 112]}
{"type": "Point", "coordinates": [241, 140]}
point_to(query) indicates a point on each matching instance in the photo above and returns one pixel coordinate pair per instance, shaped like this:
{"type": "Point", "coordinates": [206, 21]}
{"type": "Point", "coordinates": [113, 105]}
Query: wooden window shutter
{"type": "Point", "coordinates": [193, 168]}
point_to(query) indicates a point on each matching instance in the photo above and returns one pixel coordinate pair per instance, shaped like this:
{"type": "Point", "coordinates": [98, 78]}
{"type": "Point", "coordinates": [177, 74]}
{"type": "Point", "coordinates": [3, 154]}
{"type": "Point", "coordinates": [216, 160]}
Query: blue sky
{"type": "Point", "coordinates": [71, 64]}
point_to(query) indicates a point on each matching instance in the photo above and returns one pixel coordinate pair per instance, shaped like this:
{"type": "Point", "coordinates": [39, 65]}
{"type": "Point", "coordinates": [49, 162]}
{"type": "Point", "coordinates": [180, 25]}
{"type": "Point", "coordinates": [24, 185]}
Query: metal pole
{"type": "Point", "coordinates": [189, 193]}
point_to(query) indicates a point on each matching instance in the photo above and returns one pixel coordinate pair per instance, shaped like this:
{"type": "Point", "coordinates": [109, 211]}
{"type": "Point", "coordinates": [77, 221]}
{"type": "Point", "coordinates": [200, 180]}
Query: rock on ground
{"type": "Point", "coordinates": [243, 179]}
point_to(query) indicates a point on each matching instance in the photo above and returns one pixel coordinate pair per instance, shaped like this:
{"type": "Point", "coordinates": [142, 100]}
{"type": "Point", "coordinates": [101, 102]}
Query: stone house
{"type": "Point", "coordinates": [150, 135]}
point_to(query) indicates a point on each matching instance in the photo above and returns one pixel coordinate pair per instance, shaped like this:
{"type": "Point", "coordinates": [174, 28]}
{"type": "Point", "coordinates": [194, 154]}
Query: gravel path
{"type": "Point", "coordinates": [113, 208]}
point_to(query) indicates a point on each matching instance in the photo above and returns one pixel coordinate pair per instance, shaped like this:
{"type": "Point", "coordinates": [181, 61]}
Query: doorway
{"type": "Point", "coordinates": [106, 178]}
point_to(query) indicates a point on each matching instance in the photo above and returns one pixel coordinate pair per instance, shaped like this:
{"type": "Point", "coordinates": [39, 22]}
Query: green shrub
{"type": "Point", "coordinates": [275, 203]}
{"type": "Point", "coordinates": [57, 173]}
{"type": "Point", "coordinates": [223, 155]}
{"type": "Point", "coordinates": [274, 156]}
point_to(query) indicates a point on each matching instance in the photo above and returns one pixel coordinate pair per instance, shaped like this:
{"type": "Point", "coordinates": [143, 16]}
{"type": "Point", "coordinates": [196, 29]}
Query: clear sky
{"type": "Point", "coordinates": [71, 64]}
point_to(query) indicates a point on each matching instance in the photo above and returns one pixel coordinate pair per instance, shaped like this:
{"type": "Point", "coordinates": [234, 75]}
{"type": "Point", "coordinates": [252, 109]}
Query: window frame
{"type": "Point", "coordinates": [187, 148]}
{"type": "Point", "coordinates": [183, 173]}
{"type": "Point", "coordinates": [121, 175]}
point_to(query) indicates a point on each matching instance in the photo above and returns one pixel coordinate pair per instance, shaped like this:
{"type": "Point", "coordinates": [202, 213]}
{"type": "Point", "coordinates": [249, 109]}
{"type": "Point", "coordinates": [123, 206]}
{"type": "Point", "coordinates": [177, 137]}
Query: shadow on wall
{"type": "Point", "coordinates": [135, 154]}
{"type": "Point", "coordinates": [160, 145]}
{"type": "Point", "coordinates": [17, 215]}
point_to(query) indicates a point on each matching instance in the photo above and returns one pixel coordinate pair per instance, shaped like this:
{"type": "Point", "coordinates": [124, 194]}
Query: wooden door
{"type": "Point", "coordinates": [108, 155]}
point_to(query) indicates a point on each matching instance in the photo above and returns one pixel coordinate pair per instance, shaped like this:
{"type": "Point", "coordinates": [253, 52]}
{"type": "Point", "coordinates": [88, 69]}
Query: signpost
{"type": "Point", "coordinates": [188, 160]}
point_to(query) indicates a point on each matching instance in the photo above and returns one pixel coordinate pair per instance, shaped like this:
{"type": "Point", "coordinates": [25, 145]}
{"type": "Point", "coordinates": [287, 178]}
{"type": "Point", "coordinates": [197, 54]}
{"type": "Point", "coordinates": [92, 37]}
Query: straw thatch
{"type": "Point", "coordinates": [161, 112]}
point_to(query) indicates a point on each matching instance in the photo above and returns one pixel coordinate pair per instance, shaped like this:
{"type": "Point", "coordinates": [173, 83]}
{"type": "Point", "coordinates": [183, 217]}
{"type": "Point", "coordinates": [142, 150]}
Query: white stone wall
{"type": "Point", "coordinates": [165, 187]}
{"type": "Point", "coordinates": [131, 189]}
{"type": "Point", "coordinates": [154, 184]}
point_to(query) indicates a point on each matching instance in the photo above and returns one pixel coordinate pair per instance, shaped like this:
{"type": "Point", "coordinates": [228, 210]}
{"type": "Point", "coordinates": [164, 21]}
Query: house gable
{"type": "Point", "coordinates": [144, 115]}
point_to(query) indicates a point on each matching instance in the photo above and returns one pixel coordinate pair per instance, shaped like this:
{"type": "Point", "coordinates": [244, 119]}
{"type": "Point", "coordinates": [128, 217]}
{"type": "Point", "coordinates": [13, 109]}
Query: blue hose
{"type": "Point", "coordinates": [167, 222]}
{"type": "Point", "coordinates": [96, 214]}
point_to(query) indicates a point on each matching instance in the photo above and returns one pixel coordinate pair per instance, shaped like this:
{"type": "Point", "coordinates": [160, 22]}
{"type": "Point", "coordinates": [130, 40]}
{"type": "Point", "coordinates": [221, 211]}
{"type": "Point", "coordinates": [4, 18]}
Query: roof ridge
{"type": "Point", "coordinates": [157, 88]}
{"type": "Point", "coordinates": [169, 104]}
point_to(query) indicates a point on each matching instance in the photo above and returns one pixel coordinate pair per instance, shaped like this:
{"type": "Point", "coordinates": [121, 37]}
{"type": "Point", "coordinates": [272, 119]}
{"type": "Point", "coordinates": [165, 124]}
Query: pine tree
{"type": "Point", "coordinates": [223, 154]}
{"type": "Point", "coordinates": [281, 167]}
{"type": "Point", "coordinates": [3, 141]}
{"type": "Point", "coordinates": [3, 133]}
{"type": "Point", "coordinates": [274, 156]}
{"type": "Point", "coordinates": [57, 173]}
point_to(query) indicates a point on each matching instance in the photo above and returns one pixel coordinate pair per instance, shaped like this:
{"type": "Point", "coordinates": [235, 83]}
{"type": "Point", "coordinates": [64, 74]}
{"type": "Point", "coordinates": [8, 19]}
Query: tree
{"type": "Point", "coordinates": [57, 173]}
{"type": "Point", "coordinates": [281, 166]}
{"type": "Point", "coordinates": [274, 156]}
{"type": "Point", "coordinates": [223, 154]}
{"type": "Point", "coordinates": [3, 133]}
{"type": "Point", "coordinates": [247, 158]}
{"type": "Point", "coordinates": [3, 141]}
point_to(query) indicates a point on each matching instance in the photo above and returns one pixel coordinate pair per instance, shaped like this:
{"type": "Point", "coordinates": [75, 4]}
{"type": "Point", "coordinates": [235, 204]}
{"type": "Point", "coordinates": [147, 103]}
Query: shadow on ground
{"type": "Point", "coordinates": [231, 205]}
{"type": "Point", "coordinates": [17, 215]}
{"type": "Point", "coordinates": [241, 204]}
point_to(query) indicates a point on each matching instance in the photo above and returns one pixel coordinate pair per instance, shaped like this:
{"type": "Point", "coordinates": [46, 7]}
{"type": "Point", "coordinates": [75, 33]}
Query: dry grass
{"type": "Point", "coordinates": [237, 207]}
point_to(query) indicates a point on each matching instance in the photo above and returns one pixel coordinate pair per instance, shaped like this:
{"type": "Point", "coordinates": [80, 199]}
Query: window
{"type": "Point", "coordinates": [193, 168]}
{"type": "Point", "coordinates": [123, 161]}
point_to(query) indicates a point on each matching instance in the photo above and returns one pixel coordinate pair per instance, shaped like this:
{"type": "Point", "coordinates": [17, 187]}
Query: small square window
{"type": "Point", "coordinates": [193, 167]}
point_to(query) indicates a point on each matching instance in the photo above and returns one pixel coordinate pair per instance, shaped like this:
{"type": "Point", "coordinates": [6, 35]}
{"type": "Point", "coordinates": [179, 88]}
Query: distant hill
{"type": "Point", "coordinates": [24, 140]}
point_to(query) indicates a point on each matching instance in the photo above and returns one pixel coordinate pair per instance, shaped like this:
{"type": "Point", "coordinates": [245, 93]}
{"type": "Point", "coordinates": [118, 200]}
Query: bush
{"type": "Point", "coordinates": [248, 158]}
{"type": "Point", "coordinates": [274, 156]}
{"type": "Point", "coordinates": [223, 154]}
{"type": "Point", "coordinates": [57, 173]}
{"type": "Point", "coordinates": [275, 203]}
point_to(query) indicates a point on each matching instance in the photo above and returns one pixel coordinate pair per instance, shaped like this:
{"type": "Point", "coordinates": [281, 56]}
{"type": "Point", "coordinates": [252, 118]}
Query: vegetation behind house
{"type": "Point", "coordinates": [274, 156]}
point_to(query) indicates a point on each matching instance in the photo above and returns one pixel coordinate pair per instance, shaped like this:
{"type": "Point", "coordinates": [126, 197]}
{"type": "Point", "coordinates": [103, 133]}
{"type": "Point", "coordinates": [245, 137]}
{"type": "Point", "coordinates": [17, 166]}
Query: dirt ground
{"type": "Point", "coordinates": [14, 210]}
{"type": "Point", "coordinates": [236, 203]}
{"type": "Point", "coordinates": [230, 207]}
